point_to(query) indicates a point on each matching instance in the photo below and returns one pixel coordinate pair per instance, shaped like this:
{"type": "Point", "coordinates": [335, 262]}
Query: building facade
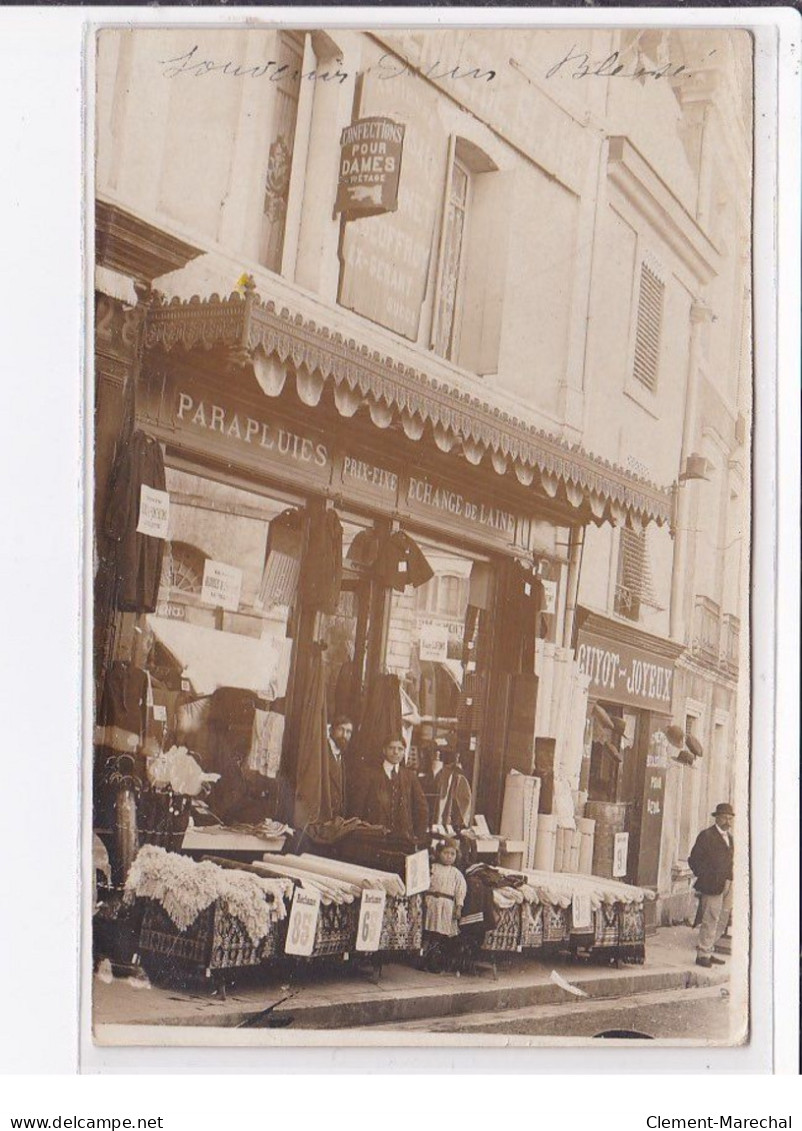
{"type": "Point", "coordinates": [469, 288]}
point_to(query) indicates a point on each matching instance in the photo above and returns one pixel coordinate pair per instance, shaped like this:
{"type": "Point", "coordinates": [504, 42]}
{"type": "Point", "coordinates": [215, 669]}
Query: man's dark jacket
{"type": "Point", "coordinates": [711, 861]}
{"type": "Point", "coordinates": [399, 805]}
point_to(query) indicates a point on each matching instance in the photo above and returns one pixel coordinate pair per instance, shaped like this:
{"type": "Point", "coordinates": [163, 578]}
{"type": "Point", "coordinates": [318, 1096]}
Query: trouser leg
{"type": "Point", "coordinates": [711, 914]}
{"type": "Point", "coordinates": [724, 914]}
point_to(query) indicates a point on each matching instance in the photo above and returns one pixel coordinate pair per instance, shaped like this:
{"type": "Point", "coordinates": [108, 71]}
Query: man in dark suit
{"type": "Point", "coordinates": [710, 861]}
{"type": "Point", "coordinates": [391, 795]}
{"type": "Point", "coordinates": [339, 737]}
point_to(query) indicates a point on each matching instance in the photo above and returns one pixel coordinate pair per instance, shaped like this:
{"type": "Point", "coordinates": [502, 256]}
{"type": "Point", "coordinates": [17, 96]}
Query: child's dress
{"type": "Point", "coordinates": [444, 900]}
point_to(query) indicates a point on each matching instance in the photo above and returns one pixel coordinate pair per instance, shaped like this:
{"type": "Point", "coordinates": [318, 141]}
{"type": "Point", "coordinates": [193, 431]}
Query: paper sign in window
{"type": "Point", "coordinates": [222, 585]}
{"type": "Point", "coordinates": [154, 512]}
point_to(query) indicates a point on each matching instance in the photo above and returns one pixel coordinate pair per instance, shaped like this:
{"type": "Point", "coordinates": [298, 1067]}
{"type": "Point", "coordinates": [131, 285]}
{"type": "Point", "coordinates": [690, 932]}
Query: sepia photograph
{"type": "Point", "coordinates": [421, 405]}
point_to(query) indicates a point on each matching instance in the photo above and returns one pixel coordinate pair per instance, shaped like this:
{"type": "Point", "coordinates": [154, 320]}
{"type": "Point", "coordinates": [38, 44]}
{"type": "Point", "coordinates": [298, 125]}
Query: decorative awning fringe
{"type": "Point", "coordinates": [272, 341]}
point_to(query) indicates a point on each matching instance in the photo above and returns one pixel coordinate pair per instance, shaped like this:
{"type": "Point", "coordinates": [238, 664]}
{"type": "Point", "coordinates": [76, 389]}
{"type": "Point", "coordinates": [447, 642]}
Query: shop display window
{"type": "Point", "coordinates": [436, 643]}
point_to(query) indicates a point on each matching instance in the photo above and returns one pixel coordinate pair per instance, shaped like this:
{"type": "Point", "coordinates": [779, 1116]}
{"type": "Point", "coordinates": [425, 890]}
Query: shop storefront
{"type": "Point", "coordinates": [293, 535]}
{"type": "Point", "coordinates": [631, 694]}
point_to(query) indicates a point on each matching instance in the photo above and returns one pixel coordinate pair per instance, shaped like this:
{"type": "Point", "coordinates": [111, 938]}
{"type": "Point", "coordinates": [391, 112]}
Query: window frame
{"type": "Point", "coordinates": [455, 161]}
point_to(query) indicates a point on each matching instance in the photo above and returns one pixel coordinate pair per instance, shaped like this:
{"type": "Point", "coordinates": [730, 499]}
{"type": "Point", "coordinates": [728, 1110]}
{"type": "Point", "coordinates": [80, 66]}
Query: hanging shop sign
{"type": "Point", "coordinates": [385, 259]}
{"type": "Point", "coordinates": [624, 674]}
{"type": "Point", "coordinates": [370, 167]}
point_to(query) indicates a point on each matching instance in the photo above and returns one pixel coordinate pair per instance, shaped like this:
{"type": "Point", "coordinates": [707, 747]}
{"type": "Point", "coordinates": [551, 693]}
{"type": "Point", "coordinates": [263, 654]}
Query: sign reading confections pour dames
{"type": "Point", "coordinates": [370, 167]}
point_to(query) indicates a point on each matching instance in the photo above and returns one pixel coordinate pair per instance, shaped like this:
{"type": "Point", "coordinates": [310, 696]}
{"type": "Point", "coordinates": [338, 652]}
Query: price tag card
{"type": "Point", "coordinates": [371, 914]}
{"type": "Point", "coordinates": [302, 926]}
{"type": "Point", "coordinates": [581, 914]}
{"type": "Point", "coordinates": [154, 512]}
{"type": "Point", "coordinates": [159, 713]}
{"type": "Point", "coordinates": [417, 872]}
{"type": "Point", "coordinates": [620, 854]}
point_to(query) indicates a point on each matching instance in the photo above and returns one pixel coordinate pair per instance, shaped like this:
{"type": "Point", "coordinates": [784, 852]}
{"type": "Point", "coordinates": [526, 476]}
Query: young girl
{"type": "Point", "coordinates": [444, 901]}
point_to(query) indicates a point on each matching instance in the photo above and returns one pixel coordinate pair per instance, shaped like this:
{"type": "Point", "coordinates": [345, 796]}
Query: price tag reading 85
{"type": "Point", "coordinates": [371, 914]}
{"type": "Point", "coordinates": [302, 926]}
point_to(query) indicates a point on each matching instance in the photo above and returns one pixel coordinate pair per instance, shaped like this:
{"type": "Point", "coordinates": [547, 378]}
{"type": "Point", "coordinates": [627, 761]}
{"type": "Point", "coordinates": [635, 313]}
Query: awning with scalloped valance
{"type": "Point", "coordinates": [278, 344]}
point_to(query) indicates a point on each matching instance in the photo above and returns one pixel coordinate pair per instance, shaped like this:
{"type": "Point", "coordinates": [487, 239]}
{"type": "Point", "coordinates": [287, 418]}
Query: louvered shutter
{"type": "Point", "coordinates": [649, 325]}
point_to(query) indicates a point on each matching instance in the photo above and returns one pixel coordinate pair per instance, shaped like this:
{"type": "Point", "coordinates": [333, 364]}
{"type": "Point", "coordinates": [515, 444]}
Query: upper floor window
{"type": "Point", "coordinates": [447, 316]}
{"type": "Point", "coordinates": [648, 328]}
{"type": "Point", "coordinates": [471, 264]}
{"type": "Point", "coordinates": [634, 587]}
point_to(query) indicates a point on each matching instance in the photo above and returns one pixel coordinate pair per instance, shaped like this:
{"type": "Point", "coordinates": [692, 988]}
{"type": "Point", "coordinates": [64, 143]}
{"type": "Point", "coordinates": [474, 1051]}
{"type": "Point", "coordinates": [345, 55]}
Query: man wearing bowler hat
{"type": "Point", "coordinates": [711, 862]}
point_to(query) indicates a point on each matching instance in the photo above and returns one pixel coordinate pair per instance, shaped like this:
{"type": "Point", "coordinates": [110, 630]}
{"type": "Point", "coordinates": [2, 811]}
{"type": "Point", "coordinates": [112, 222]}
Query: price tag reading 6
{"type": "Point", "coordinates": [371, 915]}
{"type": "Point", "coordinates": [302, 927]}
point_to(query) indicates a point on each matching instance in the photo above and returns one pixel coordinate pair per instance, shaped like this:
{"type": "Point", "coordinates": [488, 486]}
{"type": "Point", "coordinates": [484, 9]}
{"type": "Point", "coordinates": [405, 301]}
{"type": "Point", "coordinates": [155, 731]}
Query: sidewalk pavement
{"type": "Point", "coordinates": [346, 998]}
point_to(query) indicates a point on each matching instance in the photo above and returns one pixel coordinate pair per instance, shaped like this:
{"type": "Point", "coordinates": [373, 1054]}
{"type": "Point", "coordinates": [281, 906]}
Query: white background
{"type": "Point", "coordinates": [41, 567]}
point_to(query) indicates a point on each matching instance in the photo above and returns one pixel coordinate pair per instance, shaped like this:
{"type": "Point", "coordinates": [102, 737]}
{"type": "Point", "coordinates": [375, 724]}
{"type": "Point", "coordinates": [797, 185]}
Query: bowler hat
{"type": "Point", "coordinates": [723, 810]}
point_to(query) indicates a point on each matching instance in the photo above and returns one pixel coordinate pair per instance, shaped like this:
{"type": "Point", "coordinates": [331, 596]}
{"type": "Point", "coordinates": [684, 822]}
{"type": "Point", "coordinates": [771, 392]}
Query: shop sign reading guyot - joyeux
{"type": "Point", "coordinates": [623, 674]}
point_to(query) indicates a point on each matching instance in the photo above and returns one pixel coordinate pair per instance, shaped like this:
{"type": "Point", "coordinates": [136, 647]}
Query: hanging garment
{"type": "Point", "coordinates": [122, 711]}
{"type": "Point", "coordinates": [454, 798]}
{"type": "Point", "coordinates": [401, 562]}
{"type": "Point", "coordinates": [521, 599]}
{"type": "Point", "coordinates": [347, 691]}
{"type": "Point", "coordinates": [312, 784]}
{"type": "Point", "coordinates": [322, 566]}
{"type": "Point", "coordinates": [364, 549]}
{"type": "Point", "coordinates": [137, 557]}
{"type": "Point", "coordinates": [282, 569]}
{"type": "Point", "coordinates": [381, 717]}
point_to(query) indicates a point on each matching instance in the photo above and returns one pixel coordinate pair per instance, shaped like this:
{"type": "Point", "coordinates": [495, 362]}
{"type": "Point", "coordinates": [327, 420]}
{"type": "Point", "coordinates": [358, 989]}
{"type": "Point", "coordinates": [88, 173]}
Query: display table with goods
{"type": "Point", "coordinates": [199, 918]}
{"type": "Point", "coordinates": [202, 918]}
{"type": "Point", "coordinates": [530, 911]}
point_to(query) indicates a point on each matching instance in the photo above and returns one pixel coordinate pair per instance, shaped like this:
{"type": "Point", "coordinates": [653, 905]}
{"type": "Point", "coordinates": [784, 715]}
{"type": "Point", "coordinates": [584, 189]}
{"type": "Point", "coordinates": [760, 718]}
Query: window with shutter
{"type": "Point", "coordinates": [634, 586]}
{"type": "Point", "coordinates": [648, 328]}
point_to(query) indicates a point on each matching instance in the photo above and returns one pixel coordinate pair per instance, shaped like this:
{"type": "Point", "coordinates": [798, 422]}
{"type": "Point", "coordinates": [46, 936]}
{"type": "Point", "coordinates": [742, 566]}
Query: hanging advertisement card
{"type": "Point", "coordinates": [302, 926]}
{"type": "Point", "coordinates": [154, 512]}
{"type": "Point", "coordinates": [371, 914]}
{"type": "Point", "coordinates": [434, 642]}
{"type": "Point", "coordinates": [417, 872]}
{"type": "Point", "coordinates": [222, 585]}
{"type": "Point", "coordinates": [620, 853]}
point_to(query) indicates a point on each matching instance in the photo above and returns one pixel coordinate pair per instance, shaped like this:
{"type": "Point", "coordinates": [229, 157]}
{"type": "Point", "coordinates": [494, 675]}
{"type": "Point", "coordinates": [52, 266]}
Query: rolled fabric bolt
{"type": "Point", "coordinates": [546, 844]}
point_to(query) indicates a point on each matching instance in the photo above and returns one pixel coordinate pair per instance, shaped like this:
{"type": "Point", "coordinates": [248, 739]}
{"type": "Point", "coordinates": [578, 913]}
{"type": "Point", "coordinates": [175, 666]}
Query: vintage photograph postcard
{"type": "Point", "coordinates": [422, 395]}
